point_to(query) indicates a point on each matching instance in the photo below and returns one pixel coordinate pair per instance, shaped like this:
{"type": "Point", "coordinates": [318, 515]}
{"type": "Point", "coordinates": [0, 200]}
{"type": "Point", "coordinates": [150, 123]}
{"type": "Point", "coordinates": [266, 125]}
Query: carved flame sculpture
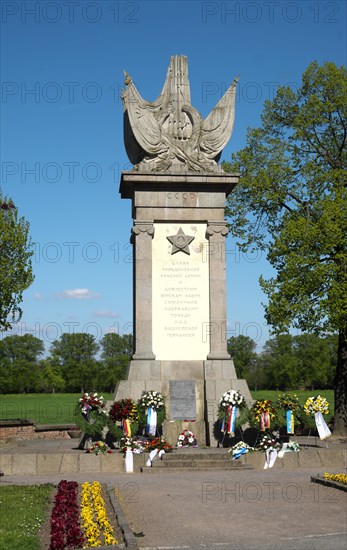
{"type": "Point", "coordinates": [169, 134]}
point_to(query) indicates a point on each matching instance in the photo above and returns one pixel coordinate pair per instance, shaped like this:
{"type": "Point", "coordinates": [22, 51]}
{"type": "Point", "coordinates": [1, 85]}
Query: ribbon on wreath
{"type": "Point", "coordinates": [129, 461]}
{"type": "Point", "coordinates": [240, 452]}
{"type": "Point", "coordinates": [290, 421]}
{"type": "Point", "coordinates": [264, 421]}
{"type": "Point", "coordinates": [127, 427]}
{"type": "Point", "coordinates": [153, 454]}
{"type": "Point", "coordinates": [321, 425]}
{"type": "Point", "coordinates": [151, 426]}
{"type": "Point", "coordinates": [270, 458]}
{"type": "Point", "coordinates": [232, 419]}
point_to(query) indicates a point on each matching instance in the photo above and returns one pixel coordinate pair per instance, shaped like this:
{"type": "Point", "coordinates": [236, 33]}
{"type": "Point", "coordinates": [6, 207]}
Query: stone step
{"type": "Point", "coordinates": [199, 456]}
{"type": "Point", "coordinates": [190, 462]}
{"type": "Point", "coordinates": [173, 469]}
{"type": "Point", "coordinates": [193, 464]}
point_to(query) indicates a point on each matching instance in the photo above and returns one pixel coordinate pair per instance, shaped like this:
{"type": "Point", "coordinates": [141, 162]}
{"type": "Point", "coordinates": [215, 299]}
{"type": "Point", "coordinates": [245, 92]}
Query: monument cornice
{"type": "Point", "coordinates": [170, 181]}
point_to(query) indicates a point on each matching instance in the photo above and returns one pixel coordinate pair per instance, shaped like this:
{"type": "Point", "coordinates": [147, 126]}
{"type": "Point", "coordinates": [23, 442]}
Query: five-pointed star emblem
{"type": "Point", "coordinates": [180, 242]}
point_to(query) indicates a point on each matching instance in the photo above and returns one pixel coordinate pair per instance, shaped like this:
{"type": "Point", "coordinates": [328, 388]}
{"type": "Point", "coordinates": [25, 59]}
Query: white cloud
{"type": "Point", "coordinates": [79, 294]}
{"type": "Point", "coordinates": [106, 313]}
{"type": "Point", "coordinates": [37, 296]}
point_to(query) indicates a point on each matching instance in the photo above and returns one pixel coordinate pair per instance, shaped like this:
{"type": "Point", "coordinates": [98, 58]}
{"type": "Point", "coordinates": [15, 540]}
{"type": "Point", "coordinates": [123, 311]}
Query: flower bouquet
{"type": "Point", "coordinates": [158, 443]}
{"type": "Point", "coordinates": [229, 404]}
{"type": "Point", "coordinates": [317, 406]}
{"type": "Point", "coordinates": [240, 449]}
{"type": "Point", "coordinates": [261, 414]}
{"type": "Point", "coordinates": [99, 448]}
{"type": "Point", "coordinates": [133, 445]}
{"type": "Point", "coordinates": [151, 408]}
{"type": "Point", "coordinates": [290, 403]}
{"type": "Point", "coordinates": [269, 442]}
{"type": "Point", "coordinates": [152, 399]}
{"type": "Point", "coordinates": [187, 439]}
{"type": "Point", "coordinates": [90, 414]}
{"type": "Point", "coordinates": [125, 412]}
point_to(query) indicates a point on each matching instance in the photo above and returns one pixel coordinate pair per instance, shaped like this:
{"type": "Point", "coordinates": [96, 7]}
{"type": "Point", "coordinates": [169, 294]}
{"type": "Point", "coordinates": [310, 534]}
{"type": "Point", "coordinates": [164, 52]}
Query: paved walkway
{"type": "Point", "coordinates": [218, 510]}
{"type": "Point", "coordinates": [262, 510]}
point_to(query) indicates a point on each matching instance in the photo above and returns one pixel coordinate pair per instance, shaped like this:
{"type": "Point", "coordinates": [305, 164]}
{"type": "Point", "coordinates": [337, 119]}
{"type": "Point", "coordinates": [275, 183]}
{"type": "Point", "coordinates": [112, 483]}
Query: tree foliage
{"type": "Point", "coordinates": [19, 363]}
{"type": "Point", "coordinates": [15, 262]}
{"type": "Point", "coordinates": [291, 201]}
{"type": "Point", "coordinates": [115, 355]}
{"type": "Point", "coordinates": [242, 350]}
{"type": "Point", "coordinates": [75, 354]}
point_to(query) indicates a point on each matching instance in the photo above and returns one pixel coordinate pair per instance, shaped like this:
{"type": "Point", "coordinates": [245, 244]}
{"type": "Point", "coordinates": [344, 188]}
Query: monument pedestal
{"type": "Point", "coordinates": [180, 340]}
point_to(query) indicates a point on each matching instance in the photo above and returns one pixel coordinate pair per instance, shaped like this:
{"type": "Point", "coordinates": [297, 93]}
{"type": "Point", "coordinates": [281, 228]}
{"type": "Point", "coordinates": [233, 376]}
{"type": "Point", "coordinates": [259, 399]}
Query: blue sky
{"type": "Point", "coordinates": [62, 137]}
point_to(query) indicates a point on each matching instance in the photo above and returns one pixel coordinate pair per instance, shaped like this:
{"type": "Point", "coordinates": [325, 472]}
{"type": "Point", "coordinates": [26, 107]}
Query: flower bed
{"type": "Point", "coordinates": [75, 526]}
{"type": "Point", "coordinates": [337, 481]}
{"type": "Point", "coordinates": [65, 528]}
{"type": "Point", "coordinates": [341, 478]}
{"type": "Point", "coordinates": [96, 525]}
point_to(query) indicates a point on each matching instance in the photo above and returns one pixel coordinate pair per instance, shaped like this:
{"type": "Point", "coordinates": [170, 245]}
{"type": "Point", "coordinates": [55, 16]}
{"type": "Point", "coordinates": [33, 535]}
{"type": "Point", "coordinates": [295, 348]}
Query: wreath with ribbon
{"type": "Point", "coordinates": [152, 411]}
{"type": "Point", "coordinates": [261, 414]}
{"type": "Point", "coordinates": [124, 412]}
{"type": "Point", "coordinates": [90, 414]}
{"type": "Point", "coordinates": [232, 411]}
{"type": "Point", "coordinates": [288, 402]}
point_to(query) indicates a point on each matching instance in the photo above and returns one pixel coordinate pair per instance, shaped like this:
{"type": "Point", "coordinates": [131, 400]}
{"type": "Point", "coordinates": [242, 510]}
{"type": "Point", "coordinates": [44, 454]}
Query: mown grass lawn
{"type": "Point", "coordinates": [58, 408]}
{"type": "Point", "coordinates": [42, 408]}
{"type": "Point", "coordinates": [23, 510]}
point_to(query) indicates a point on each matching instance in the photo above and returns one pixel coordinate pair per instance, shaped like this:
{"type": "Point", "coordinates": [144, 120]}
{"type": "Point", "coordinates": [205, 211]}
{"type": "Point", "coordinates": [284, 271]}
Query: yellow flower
{"type": "Point", "coordinates": [342, 478]}
{"type": "Point", "coordinates": [95, 522]}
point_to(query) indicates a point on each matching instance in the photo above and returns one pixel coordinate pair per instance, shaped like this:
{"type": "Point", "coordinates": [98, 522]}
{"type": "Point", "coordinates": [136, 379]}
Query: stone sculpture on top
{"type": "Point", "coordinates": [170, 134]}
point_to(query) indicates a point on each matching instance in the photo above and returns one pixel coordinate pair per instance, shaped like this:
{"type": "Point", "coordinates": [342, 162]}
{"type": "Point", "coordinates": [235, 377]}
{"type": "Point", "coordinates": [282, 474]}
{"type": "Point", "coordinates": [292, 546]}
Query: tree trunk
{"type": "Point", "coordinates": [340, 387]}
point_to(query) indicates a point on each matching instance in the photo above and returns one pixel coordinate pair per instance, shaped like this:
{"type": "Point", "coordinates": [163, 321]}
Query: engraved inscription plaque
{"type": "Point", "coordinates": [180, 291]}
{"type": "Point", "coordinates": [182, 400]}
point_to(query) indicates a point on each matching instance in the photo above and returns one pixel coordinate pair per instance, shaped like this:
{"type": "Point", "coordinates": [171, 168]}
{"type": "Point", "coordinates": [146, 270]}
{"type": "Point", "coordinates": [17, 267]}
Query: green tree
{"type": "Point", "coordinates": [281, 364]}
{"type": "Point", "coordinates": [313, 356]}
{"type": "Point", "coordinates": [15, 262]}
{"type": "Point", "coordinates": [115, 356]}
{"type": "Point", "coordinates": [292, 201]}
{"type": "Point", "coordinates": [242, 350]}
{"type": "Point", "coordinates": [52, 377]}
{"type": "Point", "coordinates": [19, 363]}
{"type": "Point", "coordinates": [75, 355]}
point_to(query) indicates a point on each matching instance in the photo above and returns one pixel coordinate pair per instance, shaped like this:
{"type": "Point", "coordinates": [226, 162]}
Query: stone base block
{"type": "Point", "coordinates": [171, 430]}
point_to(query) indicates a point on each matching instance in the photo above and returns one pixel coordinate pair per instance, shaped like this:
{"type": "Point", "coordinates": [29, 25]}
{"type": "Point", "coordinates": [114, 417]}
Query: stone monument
{"type": "Point", "coordinates": [178, 193]}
